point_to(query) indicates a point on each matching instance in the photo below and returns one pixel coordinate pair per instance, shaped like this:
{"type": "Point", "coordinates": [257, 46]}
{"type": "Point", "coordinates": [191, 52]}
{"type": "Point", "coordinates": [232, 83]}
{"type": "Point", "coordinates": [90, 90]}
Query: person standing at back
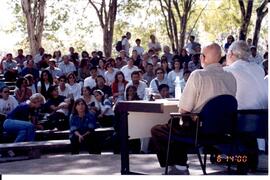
{"type": "Point", "coordinates": [126, 44]}
{"type": "Point", "coordinates": [202, 85]}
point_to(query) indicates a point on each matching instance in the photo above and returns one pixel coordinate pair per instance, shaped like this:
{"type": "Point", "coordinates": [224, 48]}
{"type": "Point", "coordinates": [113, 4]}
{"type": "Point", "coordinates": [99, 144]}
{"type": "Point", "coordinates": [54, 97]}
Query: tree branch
{"type": "Point", "coordinates": [99, 14]}
{"type": "Point", "coordinates": [242, 7]}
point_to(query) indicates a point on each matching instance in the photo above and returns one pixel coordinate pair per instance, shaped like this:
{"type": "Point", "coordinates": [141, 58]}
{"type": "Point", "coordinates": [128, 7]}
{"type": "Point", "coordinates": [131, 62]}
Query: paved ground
{"type": "Point", "coordinates": [106, 164]}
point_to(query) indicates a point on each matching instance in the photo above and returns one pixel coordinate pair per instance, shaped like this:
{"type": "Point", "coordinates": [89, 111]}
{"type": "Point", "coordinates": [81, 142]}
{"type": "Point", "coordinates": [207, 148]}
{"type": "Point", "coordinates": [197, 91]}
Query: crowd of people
{"type": "Point", "coordinates": [79, 91]}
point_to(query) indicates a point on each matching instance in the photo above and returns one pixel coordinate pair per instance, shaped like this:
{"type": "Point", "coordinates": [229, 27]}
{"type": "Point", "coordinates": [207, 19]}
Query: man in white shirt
{"type": "Point", "coordinates": [38, 57]}
{"type": "Point", "coordinates": [153, 44]}
{"type": "Point", "coordinates": [129, 68]}
{"type": "Point", "coordinates": [55, 71]}
{"type": "Point", "coordinates": [160, 79]}
{"type": "Point", "coordinates": [138, 47]}
{"type": "Point", "coordinates": [252, 90]}
{"type": "Point", "coordinates": [91, 80]}
{"type": "Point", "coordinates": [66, 66]}
{"type": "Point", "coordinates": [251, 87]}
{"type": "Point", "coordinates": [135, 76]}
{"type": "Point", "coordinates": [255, 57]}
{"type": "Point", "coordinates": [126, 44]}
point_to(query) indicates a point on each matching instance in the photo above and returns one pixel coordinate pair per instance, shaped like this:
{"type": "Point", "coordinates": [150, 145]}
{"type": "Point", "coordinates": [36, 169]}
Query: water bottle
{"type": "Point", "coordinates": [177, 90]}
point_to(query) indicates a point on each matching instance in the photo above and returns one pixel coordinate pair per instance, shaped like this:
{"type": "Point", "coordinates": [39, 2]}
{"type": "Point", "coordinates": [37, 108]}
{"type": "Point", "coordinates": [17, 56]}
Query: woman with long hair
{"type": "Point", "coordinates": [90, 100]}
{"type": "Point", "coordinates": [118, 86]}
{"type": "Point", "coordinates": [46, 81]}
{"type": "Point", "coordinates": [82, 129]}
{"type": "Point", "coordinates": [22, 92]}
{"type": "Point", "coordinates": [178, 70]}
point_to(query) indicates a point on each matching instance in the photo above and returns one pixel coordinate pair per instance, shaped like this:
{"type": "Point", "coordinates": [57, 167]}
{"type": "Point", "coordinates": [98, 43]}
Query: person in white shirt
{"type": "Point", "coordinates": [110, 73]}
{"type": "Point", "coordinates": [126, 44]}
{"type": "Point", "coordinates": [63, 87]}
{"type": "Point", "coordinates": [255, 57]}
{"type": "Point", "coordinates": [38, 57]}
{"type": "Point", "coordinates": [158, 80]}
{"type": "Point", "coordinates": [106, 116]}
{"type": "Point", "coordinates": [178, 70]}
{"type": "Point", "coordinates": [252, 90]}
{"type": "Point", "coordinates": [55, 71]}
{"type": "Point", "coordinates": [140, 85]}
{"type": "Point", "coordinates": [75, 88]}
{"type": "Point", "coordinates": [91, 80]}
{"type": "Point", "coordinates": [138, 47]}
{"type": "Point", "coordinates": [66, 66]}
{"type": "Point", "coordinates": [248, 75]}
{"type": "Point", "coordinates": [153, 44]}
{"type": "Point", "coordinates": [129, 68]}
{"type": "Point", "coordinates": [7, 102]}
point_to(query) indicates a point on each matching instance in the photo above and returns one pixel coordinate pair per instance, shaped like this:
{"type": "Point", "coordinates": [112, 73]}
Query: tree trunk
{"type": "Point", "coordinates": [261, 13]}
{"type": "Point", "coordinates": [34, 14]}
{"type": "Point", "coordinates": [246, 15]}
{"type": "Point", "coordinates": [106, 20]}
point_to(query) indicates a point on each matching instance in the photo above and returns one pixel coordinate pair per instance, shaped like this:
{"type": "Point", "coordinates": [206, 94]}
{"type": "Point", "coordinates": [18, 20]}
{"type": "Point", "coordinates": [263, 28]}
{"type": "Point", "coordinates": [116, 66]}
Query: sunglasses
{"type": "Point", "coordinates": [159, 72]}
{"type": "Point", "coordinates": [6, 92]}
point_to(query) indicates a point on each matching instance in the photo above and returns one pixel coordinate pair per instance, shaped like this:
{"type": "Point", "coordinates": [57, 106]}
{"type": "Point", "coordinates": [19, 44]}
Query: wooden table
{"type": "Point", "coordinates": [136, 120]}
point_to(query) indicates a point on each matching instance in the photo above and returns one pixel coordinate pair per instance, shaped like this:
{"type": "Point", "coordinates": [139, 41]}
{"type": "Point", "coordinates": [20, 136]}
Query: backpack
{"type": "Point", "coordinates": [118, 46]}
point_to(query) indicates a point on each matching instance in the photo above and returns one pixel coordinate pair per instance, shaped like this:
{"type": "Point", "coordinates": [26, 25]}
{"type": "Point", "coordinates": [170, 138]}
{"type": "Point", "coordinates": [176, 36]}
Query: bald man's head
{"type": "Point", "coordinates": [212, 54]}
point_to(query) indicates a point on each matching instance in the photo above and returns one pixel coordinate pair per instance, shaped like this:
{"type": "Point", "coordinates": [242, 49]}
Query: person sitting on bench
{"type": "Point", "coordinates": [82, 126]}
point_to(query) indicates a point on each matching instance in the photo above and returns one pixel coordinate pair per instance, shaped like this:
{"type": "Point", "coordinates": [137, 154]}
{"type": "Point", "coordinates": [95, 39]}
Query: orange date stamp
{"type": "Point", "coordinates": [221, 158]}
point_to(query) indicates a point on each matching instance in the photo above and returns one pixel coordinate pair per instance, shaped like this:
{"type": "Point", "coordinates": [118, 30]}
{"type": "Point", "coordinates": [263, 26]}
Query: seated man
{"type": "Point", "coordinates": [252, 91]}
{"type": "Point", "coordinates": [202, 85]}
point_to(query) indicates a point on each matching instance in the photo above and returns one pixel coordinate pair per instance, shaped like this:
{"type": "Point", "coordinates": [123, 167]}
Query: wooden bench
{"type": "Point", "coordinates": [34, 148]}
{"type": "Point", "coordinates": [57, 135]}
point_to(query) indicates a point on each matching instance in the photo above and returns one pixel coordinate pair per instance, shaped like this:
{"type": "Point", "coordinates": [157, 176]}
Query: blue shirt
{"type": "Point", "coordinates": [22, 112]}
{"type": "Point", "coordinates": [82, 125]}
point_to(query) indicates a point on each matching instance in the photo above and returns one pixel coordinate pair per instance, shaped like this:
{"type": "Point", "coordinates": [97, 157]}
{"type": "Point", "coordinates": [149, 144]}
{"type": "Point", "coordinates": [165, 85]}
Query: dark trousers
{"type": "Point", "coordinates": [90, 142]}
{"type": "Point", "coordinates": [106, 121]}
{"type": "Point", "coordinates": [10, 76]}
{"type": "Point", "coordinates": [178, 150]}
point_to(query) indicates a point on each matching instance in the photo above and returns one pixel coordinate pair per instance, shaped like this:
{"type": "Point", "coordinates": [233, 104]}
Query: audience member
{"type": "Point", "coordinates": [55, 71]}
{"type": "Point", "coordinates": [100, 81]}
{"type": "Point", "coordinates": [154, 44]}
{"type": "Point", "coordinates": [22, 121]}
{"type": "Point", "coordinates": [90, 100]}
{"type": "Point", "coordinates": [110, 73]}
{"type": "Point", "coordinates": [45, 82]}
{"type": "Point", "coordinates": [118, 86]}
{"type": "Point", "coordinates": [149, 73]}
{"type": "Point", "coordinates": [255, 57]}
{"type": "Point", "coordinates": [138, 47]}
{"type": "Point", "coordinates": [106, 116]}
{"type": "Point", "coordinates": [20, 59]}
{"type": "Point", "coordinates": [75, 88]}
{"type": "Point", "coordinates": [7, 102]}
{"type": "Point", "coordinates": [178, 70]}
{"type": "Point", "coordinates": [140, 85]}
{"type": "Point", "coordinates": [22, 92]}
{"type": "Point", "coordinates": [158, 80]}
{"type": "Point", "coordinates": [10, 68]}
{"type": "Point", "coordinates": [128, 69]}
{"type": "Point", "coordinates": [230, 40]}
{"type": "Point", "coordinates": [66, 66]}
{"type": "Point", "coordinates": [91, 80]}
{"type": "Point", "coordinates": [126, 44]}
{"type": "Point", "coordinates": [82, 129]}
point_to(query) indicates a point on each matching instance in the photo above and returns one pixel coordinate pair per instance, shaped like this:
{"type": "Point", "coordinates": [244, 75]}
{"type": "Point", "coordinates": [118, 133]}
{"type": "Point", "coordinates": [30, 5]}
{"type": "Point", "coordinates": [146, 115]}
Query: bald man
{"type": "Point", "coordinates": [202, 85]}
